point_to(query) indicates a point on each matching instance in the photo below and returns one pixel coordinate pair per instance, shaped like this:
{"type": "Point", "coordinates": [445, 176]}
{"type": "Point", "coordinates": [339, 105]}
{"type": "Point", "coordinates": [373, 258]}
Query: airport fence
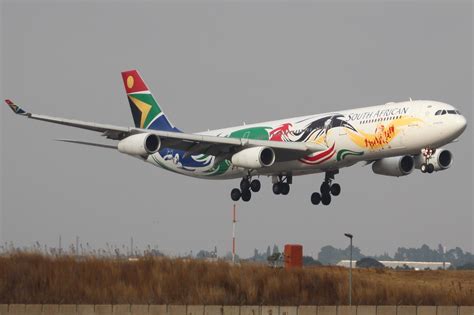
{"type": "Point", "coordinates": [134, 309]}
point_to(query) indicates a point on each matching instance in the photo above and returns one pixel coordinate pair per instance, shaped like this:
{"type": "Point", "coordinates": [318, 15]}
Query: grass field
{"type": "Point", "coordinates": [29, 278]}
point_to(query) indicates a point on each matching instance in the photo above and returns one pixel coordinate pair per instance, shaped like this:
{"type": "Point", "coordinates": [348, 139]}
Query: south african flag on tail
{"type": "Point", "coordinates": [146, 112]}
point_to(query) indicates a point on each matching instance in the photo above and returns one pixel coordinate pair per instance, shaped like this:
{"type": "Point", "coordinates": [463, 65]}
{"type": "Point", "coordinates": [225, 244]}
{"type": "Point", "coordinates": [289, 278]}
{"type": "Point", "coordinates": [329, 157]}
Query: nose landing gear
{"type": "Point", "coordinates": [427, 167]}
{"type": "Point", "coordinates": [247, 186]}
{"type": "Point", "coordinates": [327, 189]}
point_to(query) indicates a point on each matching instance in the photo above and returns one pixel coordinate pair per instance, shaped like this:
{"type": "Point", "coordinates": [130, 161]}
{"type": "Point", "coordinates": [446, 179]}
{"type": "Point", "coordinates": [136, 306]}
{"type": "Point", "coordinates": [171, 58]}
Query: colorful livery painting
{"type": "Point", "coordinates": [395, 138]}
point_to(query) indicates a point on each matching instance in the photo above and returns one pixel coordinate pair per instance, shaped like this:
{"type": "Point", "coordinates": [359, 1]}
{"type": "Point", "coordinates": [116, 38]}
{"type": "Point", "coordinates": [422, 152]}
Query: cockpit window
{"type": "Point", "coordinates": [449, 111]}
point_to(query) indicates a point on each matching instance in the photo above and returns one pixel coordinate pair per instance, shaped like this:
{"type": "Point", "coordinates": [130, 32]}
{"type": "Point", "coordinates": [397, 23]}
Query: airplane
{"type": "Point", "coordinates": [395, 138]}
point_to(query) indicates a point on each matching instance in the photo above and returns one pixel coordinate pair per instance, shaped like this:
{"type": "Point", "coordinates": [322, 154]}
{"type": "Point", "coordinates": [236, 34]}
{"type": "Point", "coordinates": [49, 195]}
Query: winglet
{"type": "Point", "coordinates": [15, 108]}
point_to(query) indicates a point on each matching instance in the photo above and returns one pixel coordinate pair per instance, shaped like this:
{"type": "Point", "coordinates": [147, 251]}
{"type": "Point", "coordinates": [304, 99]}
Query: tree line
{"type": "Point", "coordinates": [330, 255]}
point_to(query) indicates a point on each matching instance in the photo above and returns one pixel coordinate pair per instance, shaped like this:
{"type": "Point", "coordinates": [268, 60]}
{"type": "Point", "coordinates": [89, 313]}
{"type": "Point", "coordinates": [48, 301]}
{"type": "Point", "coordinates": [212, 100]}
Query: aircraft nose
{"type": "Point", "coordinates": [457, 126]}
{"type": "Point", "coordinates": [461, 123]}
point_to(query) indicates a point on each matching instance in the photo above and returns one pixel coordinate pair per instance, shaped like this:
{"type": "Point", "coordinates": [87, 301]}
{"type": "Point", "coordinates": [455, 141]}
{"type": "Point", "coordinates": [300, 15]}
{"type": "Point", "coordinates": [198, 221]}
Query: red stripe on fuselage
{"type": "Point", "coordinates": [321, 157]}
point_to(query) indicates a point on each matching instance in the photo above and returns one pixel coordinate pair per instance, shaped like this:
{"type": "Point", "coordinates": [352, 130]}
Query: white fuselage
{"type": "Point", "coordinates": [351, 136]}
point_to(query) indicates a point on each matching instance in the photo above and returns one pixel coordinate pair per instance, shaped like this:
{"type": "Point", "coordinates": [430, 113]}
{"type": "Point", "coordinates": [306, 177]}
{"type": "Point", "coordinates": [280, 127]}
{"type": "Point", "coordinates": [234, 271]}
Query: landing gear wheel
{"type": "Point", "coordinates": [235, 194]}
{"type": "Point", "coordinates": [325, 188]}
{"type": "Point", "coordinates": [326, 199]}
{"type": "Point", "coordinates": [244, 184]}
{"type": "Point", "coordinates": [427, 167]}
{"type": "Point", "coordinates": [277, 188]}
{"type": "Point", "coordinates": [430, 168]}
{"type": "Point", "coordinates": [335, 189]}
{"type": "Point", "coordinates": [255, 185]}
{"type": "Point", "coordinates": [328, 188]}
{"type": "Point", "coordinates": [315, 198]}
{"type": "Point", "coordinates": [281, 184]}
{"type": "Point", "coordinates": [246, 195]}
{"type": "Point", "coordinates": [424, 168]}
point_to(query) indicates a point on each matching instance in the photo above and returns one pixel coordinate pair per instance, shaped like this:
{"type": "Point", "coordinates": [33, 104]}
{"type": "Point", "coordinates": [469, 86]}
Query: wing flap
{"type": "Point", "coordinates": [110, 131]}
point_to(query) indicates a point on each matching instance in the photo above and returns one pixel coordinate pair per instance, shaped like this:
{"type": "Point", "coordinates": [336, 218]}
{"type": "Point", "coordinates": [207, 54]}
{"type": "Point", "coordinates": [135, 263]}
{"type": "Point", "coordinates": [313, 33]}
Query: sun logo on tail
{"type": "Point", "coordinates": [130, 82]}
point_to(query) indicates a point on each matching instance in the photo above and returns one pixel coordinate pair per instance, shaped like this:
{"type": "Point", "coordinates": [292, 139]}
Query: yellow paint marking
{"type": "Point", "coordinates": [384, 133]}
{"type": "Point", "coordinates": [130, 81]}
{"type": "Point", "coordinates": [144, 109]}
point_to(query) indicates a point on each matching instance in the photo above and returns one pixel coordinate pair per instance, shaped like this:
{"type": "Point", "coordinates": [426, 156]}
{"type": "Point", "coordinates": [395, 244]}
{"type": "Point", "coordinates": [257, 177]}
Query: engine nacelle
{"type": "Point", "coordinates": [442, 159]}
{"type": "Point", "coordinates": [253, 158]}
{"type": "Point", "coordinates": [141, 144]}
{"type": "Point", "coordinates": [394, 166]}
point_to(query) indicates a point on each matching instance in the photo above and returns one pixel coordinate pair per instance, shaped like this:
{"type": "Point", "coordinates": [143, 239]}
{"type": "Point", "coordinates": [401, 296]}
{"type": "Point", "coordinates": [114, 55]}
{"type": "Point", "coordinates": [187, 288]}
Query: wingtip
{"type": "Point", "coordinates": [15, 108]}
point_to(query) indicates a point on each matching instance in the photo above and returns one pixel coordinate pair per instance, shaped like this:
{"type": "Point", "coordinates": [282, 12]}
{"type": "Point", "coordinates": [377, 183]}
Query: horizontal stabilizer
{"type": "Point", "coordinates": [101, 145]}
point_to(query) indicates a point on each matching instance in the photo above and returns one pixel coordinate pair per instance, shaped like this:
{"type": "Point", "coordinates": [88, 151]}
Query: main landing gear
{"type": "Point", "coordinates": [427, 167]}
{"type": "Point", "coordinates": [247, 185]}
{"type": "Point", "coordinates": [281, 184]}
{"type": "Point", "coordinates": [327, 189]}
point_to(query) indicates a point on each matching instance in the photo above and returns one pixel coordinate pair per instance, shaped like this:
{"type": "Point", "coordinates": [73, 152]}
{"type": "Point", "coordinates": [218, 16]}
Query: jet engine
{"type": "Point", "coordinates": [394, 166]}
{"type": "Point", "coordinates": [441, 159]}
{"type": "Point", "coordinates": [142, 144]}
{"type": "Point", "coordinates": [253, 158]}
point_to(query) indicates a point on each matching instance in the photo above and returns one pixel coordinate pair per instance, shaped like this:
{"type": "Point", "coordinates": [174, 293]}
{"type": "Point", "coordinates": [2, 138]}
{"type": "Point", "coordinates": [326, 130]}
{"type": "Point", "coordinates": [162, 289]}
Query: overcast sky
{"type": "Point", "coordinates": [213, 65]}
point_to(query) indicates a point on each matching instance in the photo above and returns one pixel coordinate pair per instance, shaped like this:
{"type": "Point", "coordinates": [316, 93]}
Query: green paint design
{"type": "Point", "coordinates": [342, 154]}
{"type": "Point", "coordinates": [220, 169]}
{"type": "Point", "coordinates": [150, 100]}
{"type": "Point", "coordinates": [255, 133]}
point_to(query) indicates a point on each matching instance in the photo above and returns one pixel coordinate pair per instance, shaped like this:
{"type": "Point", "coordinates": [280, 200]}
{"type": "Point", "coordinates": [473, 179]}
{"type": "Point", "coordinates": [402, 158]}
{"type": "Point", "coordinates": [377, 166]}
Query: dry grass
{"type": "Point", "coordinates": [27, 278]}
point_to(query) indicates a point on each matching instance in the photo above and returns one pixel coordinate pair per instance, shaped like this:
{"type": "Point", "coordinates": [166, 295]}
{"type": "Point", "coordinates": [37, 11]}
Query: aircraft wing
{"type": "Point", "coordinates": [192, 143]}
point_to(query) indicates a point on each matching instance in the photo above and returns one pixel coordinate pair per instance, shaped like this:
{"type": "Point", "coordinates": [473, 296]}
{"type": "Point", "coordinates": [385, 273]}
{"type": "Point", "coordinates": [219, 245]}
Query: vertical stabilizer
{"type": "Point", "coordinates": [146, 111]}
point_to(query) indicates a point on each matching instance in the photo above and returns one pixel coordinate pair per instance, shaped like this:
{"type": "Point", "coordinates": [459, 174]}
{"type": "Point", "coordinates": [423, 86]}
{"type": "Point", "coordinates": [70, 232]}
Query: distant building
{"type": "Point", "coordinates": [417, 265]}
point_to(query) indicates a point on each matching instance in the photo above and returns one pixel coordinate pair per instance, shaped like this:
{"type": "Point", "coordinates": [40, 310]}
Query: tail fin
{"type": "Point", "coordinates": [146, 112]}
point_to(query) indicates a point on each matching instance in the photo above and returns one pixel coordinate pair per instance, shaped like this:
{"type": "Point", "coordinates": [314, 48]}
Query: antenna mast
{"type": "Point", "coordinates": [234, 221]}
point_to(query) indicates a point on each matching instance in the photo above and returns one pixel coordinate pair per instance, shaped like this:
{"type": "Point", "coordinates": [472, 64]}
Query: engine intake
{"type": "Point", "coordinates": [394, 166]}
{"type": "Point", "coordinates": [141, 144]}
{"type": "Point", "coordinates": [442, 159]}
{"type": "Point", "coordinates": [253, 158]}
